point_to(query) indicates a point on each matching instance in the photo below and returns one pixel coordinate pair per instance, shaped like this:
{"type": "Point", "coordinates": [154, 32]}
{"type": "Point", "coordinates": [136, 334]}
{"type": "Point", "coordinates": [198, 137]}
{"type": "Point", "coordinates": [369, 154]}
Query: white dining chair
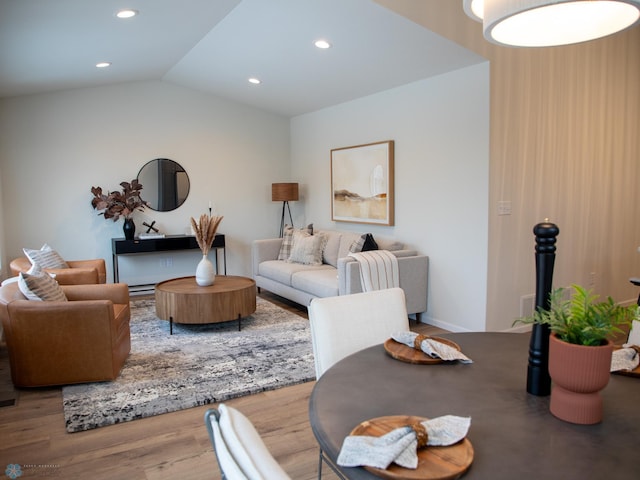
{"type": "Point", "coordinates": [239, 449]}
{"type": "Point", "coordinates": [346, 324]}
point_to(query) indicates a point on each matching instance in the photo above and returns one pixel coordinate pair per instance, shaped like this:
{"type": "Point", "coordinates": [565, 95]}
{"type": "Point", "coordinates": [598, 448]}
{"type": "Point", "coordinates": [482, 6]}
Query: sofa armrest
{"type": "Point", "coordinates": [263, 250]}
{"type": "Point", "coordinates": [404, 253]}
{"type": "Point", "coordinates": [348, 276]}
{"type": "Point", "coordinates": [75, 276]}
{"type": "Point", "coordinates": [20, 264]}
{"type": "Point", "coordinates": [98, 264]}
{"type": "Point", "coordinates": [413, 272]}
{"type": "Point", "coordinates": [116, 292]}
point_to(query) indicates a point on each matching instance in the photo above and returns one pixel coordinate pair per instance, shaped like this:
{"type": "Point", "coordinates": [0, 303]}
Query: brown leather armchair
{"type": "Point", "coordinates": [80, 272]}
{"type": "Point", "coordinates": [86, 339]}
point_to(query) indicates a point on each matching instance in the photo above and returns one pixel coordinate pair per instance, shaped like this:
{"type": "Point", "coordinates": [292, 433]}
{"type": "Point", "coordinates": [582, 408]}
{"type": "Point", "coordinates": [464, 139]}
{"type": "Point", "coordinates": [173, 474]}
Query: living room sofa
{"type": "Point", "coordinates": [84, 339]}
{"type": "Point", "coordinates": [339, 274]}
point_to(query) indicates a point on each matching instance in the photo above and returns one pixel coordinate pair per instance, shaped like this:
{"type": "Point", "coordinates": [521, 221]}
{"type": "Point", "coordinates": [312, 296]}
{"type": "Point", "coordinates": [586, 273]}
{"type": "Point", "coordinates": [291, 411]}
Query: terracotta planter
{"type": "Point", "coordinates": [578, 374]}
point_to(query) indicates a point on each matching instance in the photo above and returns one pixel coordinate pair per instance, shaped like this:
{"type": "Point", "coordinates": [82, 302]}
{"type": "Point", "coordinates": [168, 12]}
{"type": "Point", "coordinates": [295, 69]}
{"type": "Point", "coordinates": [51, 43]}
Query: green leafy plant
{"type": "Point", "coordinates": [581, 319]}
{"type": "Point", "coordinates": [119, 204]}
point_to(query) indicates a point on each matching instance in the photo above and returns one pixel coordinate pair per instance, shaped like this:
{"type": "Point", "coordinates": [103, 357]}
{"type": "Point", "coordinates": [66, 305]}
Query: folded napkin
{"type": "Point", "coordinates": [625, 359]}
{"type": "Point", "coordinates": [400, 445]}
{"type": "Point", "coordinates": [430, 346]}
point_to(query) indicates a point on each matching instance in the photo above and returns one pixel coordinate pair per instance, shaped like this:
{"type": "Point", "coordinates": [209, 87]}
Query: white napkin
{"type": "Point", "coordinates": [625, 359]}
{"type": "Point", "coordinates": [400, 445]}
{"type": "Point", "coordinates": [431, 347]}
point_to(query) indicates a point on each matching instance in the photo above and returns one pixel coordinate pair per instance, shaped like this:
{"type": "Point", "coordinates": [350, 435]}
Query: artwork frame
{"type": "Point", "coordinates": [362, 183]}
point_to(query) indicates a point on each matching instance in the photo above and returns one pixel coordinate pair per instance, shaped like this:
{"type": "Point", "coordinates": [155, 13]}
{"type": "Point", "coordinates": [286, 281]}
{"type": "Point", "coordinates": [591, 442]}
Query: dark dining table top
{"type": "Point", "coordinates": [514, 436]}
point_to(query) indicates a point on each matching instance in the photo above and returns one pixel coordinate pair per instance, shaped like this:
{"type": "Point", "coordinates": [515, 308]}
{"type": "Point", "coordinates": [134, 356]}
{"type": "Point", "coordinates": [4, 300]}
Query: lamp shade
{"type": "Point", "coordinates": [544, 23]}
{"type": "Point", "coordinates": [284, 192]}
{"type": "Point", "coordinates": [474, 9]}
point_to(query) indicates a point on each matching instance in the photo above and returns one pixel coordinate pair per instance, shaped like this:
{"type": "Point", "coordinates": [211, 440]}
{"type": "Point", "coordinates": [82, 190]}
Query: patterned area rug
{"type": "Point", "coordinates": [197, 365]}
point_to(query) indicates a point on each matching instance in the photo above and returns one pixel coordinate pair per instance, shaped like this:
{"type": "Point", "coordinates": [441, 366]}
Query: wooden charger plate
{"type": "Point", "coordinates": [404, 353]}
{"type": "Point", "coordinates": [631, 373]}
{"type": "Point", "coordinates": [434, 463]}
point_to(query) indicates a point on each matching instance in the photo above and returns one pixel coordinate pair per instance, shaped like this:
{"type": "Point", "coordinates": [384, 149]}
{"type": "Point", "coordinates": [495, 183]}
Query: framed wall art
{"type": "Point", "coordinates": [362, 183]}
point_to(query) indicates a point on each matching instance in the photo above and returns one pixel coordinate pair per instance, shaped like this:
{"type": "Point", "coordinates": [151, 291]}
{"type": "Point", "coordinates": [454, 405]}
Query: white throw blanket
{"type": "Point", "coordinates": [378, 269]}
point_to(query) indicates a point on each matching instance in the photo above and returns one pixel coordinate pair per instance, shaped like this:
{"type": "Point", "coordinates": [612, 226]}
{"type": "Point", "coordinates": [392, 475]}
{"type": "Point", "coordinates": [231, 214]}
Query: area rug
{"type": "Point", "coordinates": [197, 365]}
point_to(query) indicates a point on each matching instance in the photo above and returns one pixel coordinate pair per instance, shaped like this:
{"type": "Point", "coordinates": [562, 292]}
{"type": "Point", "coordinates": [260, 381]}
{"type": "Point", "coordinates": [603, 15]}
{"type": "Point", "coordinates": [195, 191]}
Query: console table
{"type": "Point", "coordinates": [120, 246]}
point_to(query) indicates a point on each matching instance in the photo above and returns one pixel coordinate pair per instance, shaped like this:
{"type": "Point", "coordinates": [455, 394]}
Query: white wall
{"type": "Point", "coordinates": [55, 147]}
{"type": "Point", "coordinates": [441, 131]}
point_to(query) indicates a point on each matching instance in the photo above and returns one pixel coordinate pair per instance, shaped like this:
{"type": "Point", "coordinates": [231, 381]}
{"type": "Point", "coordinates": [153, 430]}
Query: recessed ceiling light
{"type": "Point", "coordinates": [255, 81]}
{"type": "Point", "coordinates": [322, 44]}
{"type": "Point", "coordinates": [127, 13]}
{"type": "Point", "coordinates": [103, 64]}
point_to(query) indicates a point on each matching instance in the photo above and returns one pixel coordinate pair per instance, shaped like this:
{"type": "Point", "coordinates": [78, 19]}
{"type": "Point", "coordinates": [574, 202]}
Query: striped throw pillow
{"type": "Point", "coordinates": [40, 287]}
{"type": "Point", "coordinates": [46, 257]}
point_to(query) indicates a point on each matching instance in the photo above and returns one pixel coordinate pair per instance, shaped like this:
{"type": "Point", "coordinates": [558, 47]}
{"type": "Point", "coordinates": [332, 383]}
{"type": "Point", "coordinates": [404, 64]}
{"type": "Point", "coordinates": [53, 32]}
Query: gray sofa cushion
{"type": "Point", "coordinates": [283, 271]}
{"type": "Point", "coordinates": [346, 240]}
{"type": "Point", "coordinates": [330, 252]}
{"type": "Point", "coordinates": [321, 283]}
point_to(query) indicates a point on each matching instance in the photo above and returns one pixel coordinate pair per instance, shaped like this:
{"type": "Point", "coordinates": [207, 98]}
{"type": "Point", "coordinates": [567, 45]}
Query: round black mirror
{"type": "Point", "coordinates": [165, 184]}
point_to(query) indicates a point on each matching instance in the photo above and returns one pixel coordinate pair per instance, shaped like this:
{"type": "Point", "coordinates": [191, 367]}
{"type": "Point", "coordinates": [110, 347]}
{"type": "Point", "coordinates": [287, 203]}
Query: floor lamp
{"type": "Point", "coordinates": [285, 193]}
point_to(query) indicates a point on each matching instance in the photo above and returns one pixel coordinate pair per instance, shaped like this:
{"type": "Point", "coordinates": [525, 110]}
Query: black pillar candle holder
{"type": "Point", "coordinates": [538, 379]}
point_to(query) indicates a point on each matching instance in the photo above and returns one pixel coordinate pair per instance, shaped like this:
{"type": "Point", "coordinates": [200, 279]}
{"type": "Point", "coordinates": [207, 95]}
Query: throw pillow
{"type": "Point", "coordinates": [46, 257]}
{"type": "Point", "coordinates": [40, 287]}
{"type": "Point", "coordinates": [287, 240]}
{"type": "Point", "coordinates": [35, 269]}
{"type": "Point", "coordinates": [363, 244]}
{"type": "Point", "coordinates": [307, 249]}
{"type": "Point", "coordinates": [369, 243]}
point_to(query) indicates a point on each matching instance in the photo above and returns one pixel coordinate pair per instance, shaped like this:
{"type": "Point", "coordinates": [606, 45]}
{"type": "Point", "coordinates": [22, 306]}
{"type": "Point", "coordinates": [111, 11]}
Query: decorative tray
{"type": "Point", "coordinates": [434, 463]}
{"type": "Point", "coordinates": [404, 353]}
{"type": "Point", "coordinates": [632, 373]}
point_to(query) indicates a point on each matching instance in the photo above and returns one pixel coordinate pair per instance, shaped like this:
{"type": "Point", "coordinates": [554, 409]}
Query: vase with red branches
{"type": "Point", "coordinates": [117, 204]}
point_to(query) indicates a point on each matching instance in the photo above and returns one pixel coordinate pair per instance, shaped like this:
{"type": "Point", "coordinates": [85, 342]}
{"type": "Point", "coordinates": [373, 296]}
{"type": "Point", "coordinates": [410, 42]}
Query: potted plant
{"type": "Point", "coordinates": [120, 204]}
{"type": "Point", "coordinates": [580, 350]}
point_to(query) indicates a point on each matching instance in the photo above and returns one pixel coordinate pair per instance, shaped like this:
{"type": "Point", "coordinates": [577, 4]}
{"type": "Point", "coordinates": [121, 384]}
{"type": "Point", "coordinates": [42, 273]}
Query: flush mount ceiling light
{"type": "Point", "coordinates": [545, 23]}
{"type": "Point", "coordinates": [103, 64]}
{"type": "Point", "coordinates": [255, 81]}
{"type": "Point", "coordinates": [323, 44]}
{"type": "Point", "coordinates": [126, 13]}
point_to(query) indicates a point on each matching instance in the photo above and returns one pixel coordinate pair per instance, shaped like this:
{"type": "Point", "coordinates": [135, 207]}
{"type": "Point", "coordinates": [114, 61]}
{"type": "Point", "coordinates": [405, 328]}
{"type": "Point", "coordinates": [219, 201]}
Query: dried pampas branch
{"type": "Point", "coordinates": [205, 230]}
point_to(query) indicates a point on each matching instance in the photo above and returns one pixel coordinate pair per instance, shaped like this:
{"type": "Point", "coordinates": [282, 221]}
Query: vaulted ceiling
{"type": "Point", "coordinates": [216, 46]}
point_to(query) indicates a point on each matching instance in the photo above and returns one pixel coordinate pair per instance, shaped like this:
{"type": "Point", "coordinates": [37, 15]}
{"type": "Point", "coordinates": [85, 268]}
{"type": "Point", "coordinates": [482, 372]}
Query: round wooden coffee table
{"type": "Point", "coordinates": [182, 300]}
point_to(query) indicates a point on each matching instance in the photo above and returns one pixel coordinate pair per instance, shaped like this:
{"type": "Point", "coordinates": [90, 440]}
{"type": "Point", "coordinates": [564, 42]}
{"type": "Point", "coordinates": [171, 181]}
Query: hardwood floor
{"type": "Point", "coordinates": [169, 446]}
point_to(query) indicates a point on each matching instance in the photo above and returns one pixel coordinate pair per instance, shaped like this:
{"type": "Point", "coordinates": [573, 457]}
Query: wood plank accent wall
{"type": "Point", "coordinates": [565, 145]}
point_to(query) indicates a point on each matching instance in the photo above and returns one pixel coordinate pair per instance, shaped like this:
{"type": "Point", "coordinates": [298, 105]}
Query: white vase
{"type": "Point", "coordinates": [205, 273]}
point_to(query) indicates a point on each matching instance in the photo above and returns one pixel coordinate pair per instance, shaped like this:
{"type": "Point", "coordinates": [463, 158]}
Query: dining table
{"type": "Point", "coordinates": [512, 433]}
